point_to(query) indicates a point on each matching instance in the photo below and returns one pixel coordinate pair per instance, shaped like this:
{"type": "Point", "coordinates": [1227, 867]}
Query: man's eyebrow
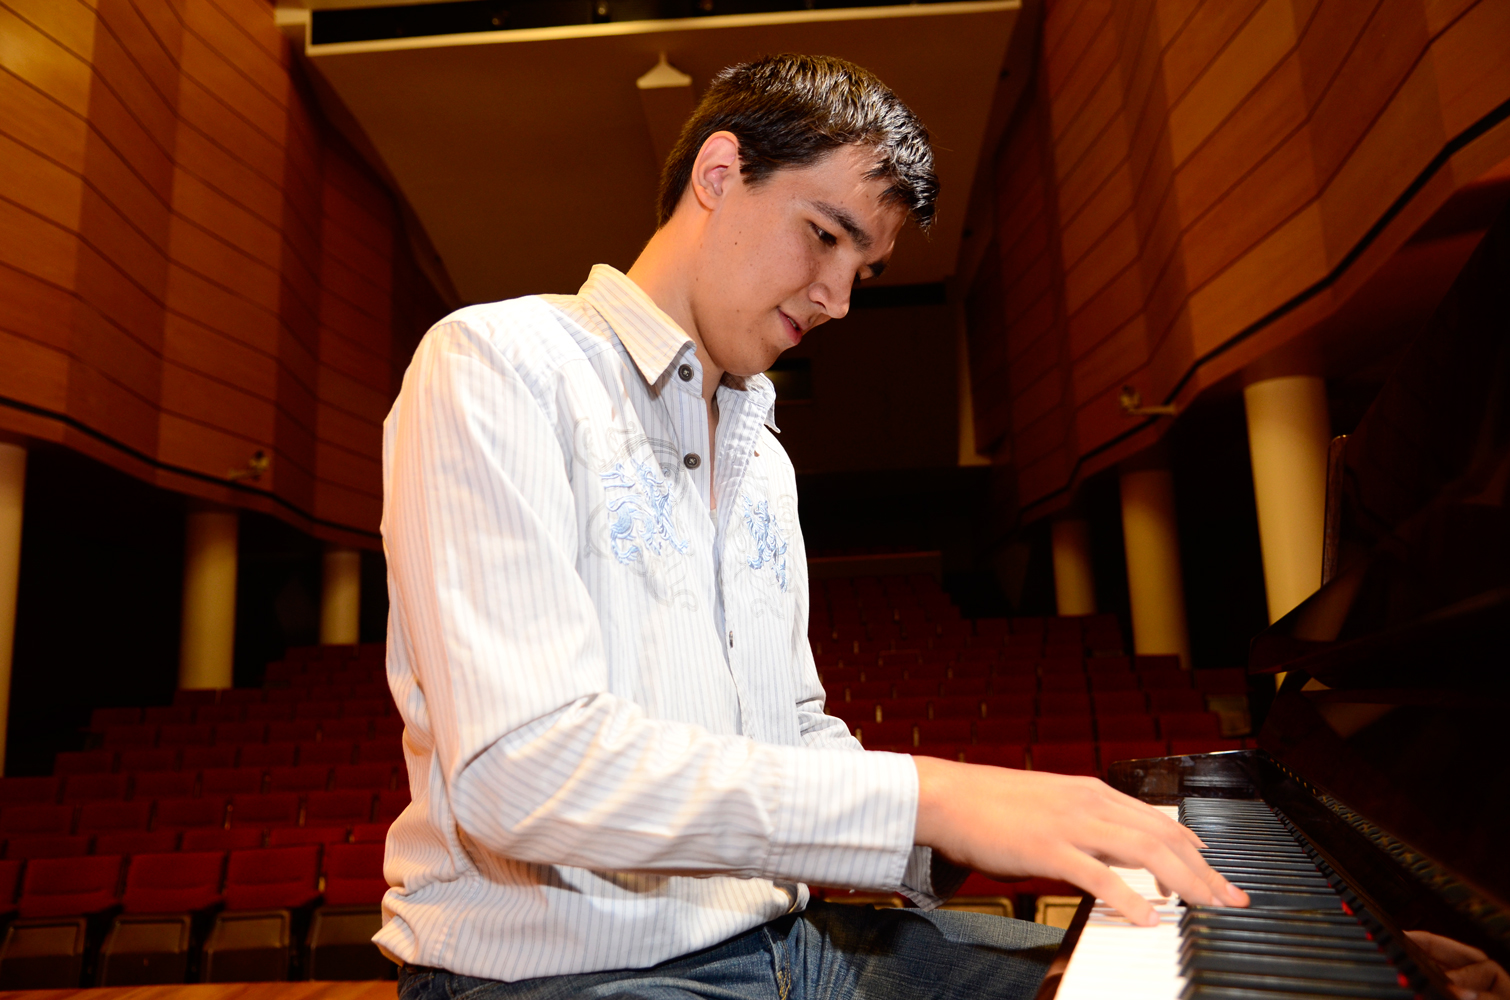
{"type": "Point", "coordinates": [863, 240]}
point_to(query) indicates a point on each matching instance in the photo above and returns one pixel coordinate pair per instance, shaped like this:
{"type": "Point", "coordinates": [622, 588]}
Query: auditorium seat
{"type": "Point", "coordinates": [967, 707]}
{"type": "Point", "coordinates": [1064, 729]}
{"type": "Point", "coordinates": [152, 759]}
{"type": "Point", "coordinates": [104, 718]}
{"type": "Point", "coordinates": [230, 733]}
{"type": "Point", "coordinates": [289, 836]}
{"type": "Point", "coordinates": [1008, 705]}
{"type": "Point", "coordinates": [128, 737]}
{"type": "Point", "coordinates": [961, 687]}
{"type": "Point", "coordinates": [904, 708]}
{"type": "Point", "coordinates": [892, 732]}
{"type": "Point", "coordinates": [185, 735]}
{"type": "Point", "coordinates": [1164, 680]}
{"type": "Point", "coordinates": [328, 752]}
{"type": "Point", "coordinates": [1120, 702]}
{"type": "Point", "coordinates": [1017, 731]}
{"type": "Point", "coordinates": [1067, 683]}
{"type": "Point", "coordinates": [370, 833]}
{"type": "Point", "coordinates": [214, 838]}
{"type": "Point", "coordinates": [44, 949]}
{"type": "Point", "coordinates": [970, 669]}
{"type": "Point", "coordinates": [129, 843]}
{"type": "Point", "coordinates": [97, 817]}
{"type": "Point", "coordinates": [168, 715]}
{"type": "Point", "coordinates": [217, 715]}
{"type": "Point", "coordinates": [223, 781]}
{"type": "Point", "coordinates": [274, 809]}
{"type": "Point", "coordinates": [996, 754]}
{"type": "Point", "coordinates": [1122, 680]}
{"type": "Point", "coordinates": [1014, 684]}
{"type": "Point", "coordinates": [301, 778]}
{"type": "Point", "coordinates": [25, 819]}
{"type": "Point", "coordinates": [1064, 703]}
{"type": "Point", "coordinates": [853, 712]}
{"type": "Point", "coordinates": [1125, 727]}
{"type": "Point", "coordinates": [260, 711]}
{"type": "Point", "coordinates": [201, 758]}
{"type": "Point", "coordinates": [196, 697]}
{"type": "Point", "coordinates": [162, 784]}
{"type": "Point", "coordinates": [1178, 700]}
{"type": "Point", "coordinates": [343, 808]}
{"type": "Point", "coordinates": [346, 730]}
{"type": "Point", "coordinates": [265, 892]}
{"type": "Point", "coordinates": [94, 787]}
{"type": "Point", "coordinates": [183, 813]}
{"type": "Point", "coordinates": [1064, 758]}
{"type": "Point", "coordinates": [317, 710]}
{"type": "Point", "coordinates": [358, 777]}
{"type": "Point", "coordinates": [921, 688]}
{"type": "Point", "coordinates": [1115, 750]}
{"type": "Point", "coordinates": [83, 762]}
{"type": "Point", "coordinates": [1175, 726]}
{"type": "Point", "coordinates": [388, 727]}
{"type": "Point", "coordinates": [24, 847]}
{"type": "Point", "coordinates": [241, 696]}
{"type": "Point", "coordinates": [931, 731]}
{"type": "Point", "coordinates": [390, 803]}
{"type": "Point", "coordinates": [270, 754]}
{"type": "Point", "coordinates": [167, 899]}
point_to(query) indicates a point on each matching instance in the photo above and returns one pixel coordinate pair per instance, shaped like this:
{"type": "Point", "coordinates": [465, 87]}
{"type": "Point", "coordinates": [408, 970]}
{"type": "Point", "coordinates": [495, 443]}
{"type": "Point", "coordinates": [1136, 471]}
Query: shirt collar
{"type": "Point", "coordinates": [653, 339]}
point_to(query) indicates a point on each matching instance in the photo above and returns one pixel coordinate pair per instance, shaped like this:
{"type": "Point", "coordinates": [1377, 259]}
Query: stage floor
{"type": "Point", "coordinates": [220, 991]}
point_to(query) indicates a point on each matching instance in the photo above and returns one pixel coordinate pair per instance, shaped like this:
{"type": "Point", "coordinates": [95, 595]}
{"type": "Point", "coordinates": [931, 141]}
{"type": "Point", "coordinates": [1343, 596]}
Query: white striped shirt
{"type": "Point", "coordinates": [613, 725]}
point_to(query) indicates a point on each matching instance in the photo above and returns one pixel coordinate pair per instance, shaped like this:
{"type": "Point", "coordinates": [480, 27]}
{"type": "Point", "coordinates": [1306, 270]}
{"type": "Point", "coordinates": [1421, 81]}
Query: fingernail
{"type": "Point", "coordinates": [1152, 920]}
{"type": "Point", "coordinates": [1235, 894]}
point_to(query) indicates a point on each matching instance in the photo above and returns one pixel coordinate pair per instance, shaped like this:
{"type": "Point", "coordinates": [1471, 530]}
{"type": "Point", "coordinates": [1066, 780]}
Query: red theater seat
{"type": "Point", "coordinates": [944, 731]}
{"type": "Point", "coordinates": [265, 810]}
{"type": "Point", "coordinates": [241, 696]}
{"type": "Point", "coordinates": [133, 761]}
{"type": "Point", "coordinates": [359, 777]}
{"type": "Point", "coordinates": [369, 833]}
{"type": "Point", "coordinates": [1125, 727]}
{"type": "Point", "coordinates": [148, 785]}
{"type": "Point", "coordinates": [904, 708]}
{"type": "Point", "coordinates": [1067, 683]}
{"type": "Point", "coordinates": [222, 781]}
{"type": "Point", "coordinates": [45, 845]}
{"type": "Point", "coordinates": [854, 713]}
{"type": "Point", "coordinates": [1184, 726]}
{"type": "Point", "coordinates": [388, 727]}
{"type": "Point", "coordinates": [69, 887]}
{"type": "Point", "coordinates": [354, 875]}
{"type": "Point", "coordinates": [317, 710]}
{"type": "Point", "coordinates": [174, 883]}
{"type": "Point", "coordinates": [967, 707]}
{"type": "Point", "coordinates": [185, 735]}
{"type": "Point", "coordinates": [1115, 750]}
{"type": "Point", "coordinates": [260, 755]}
{"type": "Point", "coordinates": [129, 843]}
{"type": "Point", "coordinates": [273, 878]}
{"type": "Point", "coordinates": [289, 836]}
{"type": "Point", "coordinates": [1164, 680]}
{"type": "Point", "coordinates": [391, 803]}
{"type": "Point", "coordinates": [1124, 680]}
{"type": "Point", "coordinates": [1011, 706]}
{"type": "Point", "coordinates": [964, 687]}
{"type": "Point", "coordinates": [1210, 744]}
{"type": "Point", "coordinates": [200, 758]}
{"type": "Point", "coordinates": [998, 730]}
{"type": "Point", "coordinates": [298, 779]}
{"type": "Point", "coordinates": [36, 819]}
{"type": "Point", "coordinates": [1120, 702]}
{"type": "Point", "coordinates": [231, 733]}
{"type": "Point", "coordinates": [1064, 729]}
{"type": "Point", "coordinates": [923, 688]}
{"type": "Point", "coordinates": [328, 753]}
{"type": "Point", "coordinates": [1065, 758]}
{"type": "Point", "coordinates": [217, 715]}
{"type": "Point", "coordinates": [1064, 703]}
{"type": "Point", "coordinates": [352, 730]}
{"type": "Point", "coordinates": [213, 838]}
{"type": "Point", "coordinates": [1176, 701]}
{"type": "Point", "coordinates": [869, 690]}
{"type": "Point", "coordinates": [127, 737]}
{"type": "Point", "coordinates": [84, 762]}
{"type": "Point", "coordinates": [1014, 685]}
{"type": "Point", "coordinates": [338, 808]}
{"type": "Point", "coordinates": [94, 787]}
{"type": "Point", "coordinates": [178, 814]}
{"type": "Point", "coordinates": [165, 715]}
{"type": "Point", "coordinates": [893, 732]}
{"type": "Point", "coordinates": [269, 712]}
{"type": "Point", "coordinates": [97, 817]}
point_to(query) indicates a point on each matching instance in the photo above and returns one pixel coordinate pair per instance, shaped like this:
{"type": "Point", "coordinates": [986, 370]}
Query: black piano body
{"type": "Point", "coordinates": [1387, 746]}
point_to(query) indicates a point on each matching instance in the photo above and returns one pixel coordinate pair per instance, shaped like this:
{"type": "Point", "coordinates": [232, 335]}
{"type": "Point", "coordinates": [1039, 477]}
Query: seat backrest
{"type": "Point", "coordinates": [321, 808]}
{"type": "Point", "coordinates": [231, 733]}
{"type": "Point", "coordinates": [297, 731]}
{"type": "Point", "coordinates": [1064, 729]}
{"type": "Point", "coordinates": [217, 715]}
{"type": "Point", "coordinates": [370, 833]}
{"type": "Point", "coordinates": [29, 791]}
{"type": "Point", "coordinates": [56, 887]}
{"type": "Point", "coordinates": [84, 762]}
{"type": "Point", "coordinates": [230, 780]}
{"type": "Point", "coordinates": [46, 845]}
{"type": "Point", "coordinates": [304, 778]}
{"type": "Point", "coordinates": [183, 813]}
{"type": "Point", "coordinates": [391, 803]}
{"type": "Point", "coordinates": [265, 810]}
{"type": "Point", "coordinates": [125, 737]}
{"type": "Point", "coordinates": [185, 734]}
{"type": "Point", "coordinates": [170, 715]}
{"type": "Point", "coordinates": [213, 838]}
{"type": "Point", "coordinates": [280, 754]}
{"type": "Point", "coordinates": [173, 883]}
{"type": "Point", "coordinates": [362, 777]}
{"type": "Point", "coordinates": [346, 730]}
{"type": "Point", "coordinates": [288, 836]}
{"type": "Point", "coordinates": [199, 758]}
{"type": "Point", "coordinates": [162, 785]}
{"type": "Point", "coordinates": [148, 759]}
{"type": "Point", "coordinates": [36, 819]}
{"type": "Point", "coordinates": [95, 817]}
{"type": "Point", "coordinates": [94, 787]}
{"type": "Point", "coordinates": [129, 843]}
{"type": "Point", "coordinates": [329, 752]}
{"type": "Point", "coordinates": [353, 861]}
{"type": "Point", "coordinates": [10, 881]}
{"type": "Point", "coordinates": [272, 877]}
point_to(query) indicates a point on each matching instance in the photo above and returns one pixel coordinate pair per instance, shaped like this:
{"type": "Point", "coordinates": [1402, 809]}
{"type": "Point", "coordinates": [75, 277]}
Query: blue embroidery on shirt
{"type": "Point", "coordinates": [769, 545]}
{"type": "Point", "coordinates": [643, 515]}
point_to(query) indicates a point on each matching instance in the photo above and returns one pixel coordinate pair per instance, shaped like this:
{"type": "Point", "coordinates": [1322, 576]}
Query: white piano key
{"type": "Point", "coordinates": [1115, 958]}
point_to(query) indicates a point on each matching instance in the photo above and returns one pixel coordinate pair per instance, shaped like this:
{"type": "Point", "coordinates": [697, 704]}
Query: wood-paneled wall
{"type": "Point", "coordinates": [194, 266]}
{"type": "Point", "coordinates": [1198, 192]}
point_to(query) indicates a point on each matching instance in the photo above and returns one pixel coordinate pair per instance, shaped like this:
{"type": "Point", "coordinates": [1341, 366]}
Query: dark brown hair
{"type": "Point", "coordinates": [791, 110]}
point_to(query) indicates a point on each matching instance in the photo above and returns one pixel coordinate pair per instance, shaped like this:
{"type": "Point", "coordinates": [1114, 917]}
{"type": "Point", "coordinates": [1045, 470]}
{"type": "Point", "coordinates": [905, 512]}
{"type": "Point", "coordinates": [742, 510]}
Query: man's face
{"type": "Point", "coordinates": [782, 256]}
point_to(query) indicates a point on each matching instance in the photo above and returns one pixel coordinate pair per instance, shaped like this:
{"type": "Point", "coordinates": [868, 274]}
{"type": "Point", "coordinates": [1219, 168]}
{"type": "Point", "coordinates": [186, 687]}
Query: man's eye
{"type": "Point", "coordinates": [826, 238]}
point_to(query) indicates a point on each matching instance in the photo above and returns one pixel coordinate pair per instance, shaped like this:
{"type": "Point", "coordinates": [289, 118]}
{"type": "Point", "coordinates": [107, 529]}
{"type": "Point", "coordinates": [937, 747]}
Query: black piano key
{"type": "Point", "coordinates": [1379, 973]}
{"type": "Point", "coordinates": [1317, 924]}
{"type": "Point", "coordinates": [1295, 936]}
{"type": "Point", "coordinates": [1296, 947]}
{"type": "Point", "coordinates": [1267, 986]}
{"type": "Point", "coordinates": [1204, 991]}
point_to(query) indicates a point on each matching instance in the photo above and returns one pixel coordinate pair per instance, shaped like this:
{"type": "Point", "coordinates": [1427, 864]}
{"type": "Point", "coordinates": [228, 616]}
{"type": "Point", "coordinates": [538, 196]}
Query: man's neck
{"type": "Point", "coordinates": [662, 272]}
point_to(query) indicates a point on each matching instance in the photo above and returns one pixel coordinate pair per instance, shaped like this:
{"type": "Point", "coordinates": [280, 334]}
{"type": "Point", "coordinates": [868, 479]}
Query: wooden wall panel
{"type": "Point", "coordinates": [193, 266]}
{"type": "Point", "coordinates": [1198, 189]}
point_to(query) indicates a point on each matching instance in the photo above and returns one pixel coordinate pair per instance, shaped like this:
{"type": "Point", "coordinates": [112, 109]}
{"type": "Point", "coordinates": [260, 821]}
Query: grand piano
{"type": "Point", "coordinates": [1378, 800]}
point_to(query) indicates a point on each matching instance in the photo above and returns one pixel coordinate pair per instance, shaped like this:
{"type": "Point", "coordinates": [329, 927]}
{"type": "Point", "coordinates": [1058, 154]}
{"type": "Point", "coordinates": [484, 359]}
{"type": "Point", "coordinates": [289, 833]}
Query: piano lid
{"type": "Point", "coordinates": [1397, 704]}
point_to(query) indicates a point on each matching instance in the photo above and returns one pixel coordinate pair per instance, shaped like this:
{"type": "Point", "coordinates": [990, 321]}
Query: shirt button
{"type": "Point", "coordinates": [684, 373]}
{"type": "Point", "coordinates": [691, 460]}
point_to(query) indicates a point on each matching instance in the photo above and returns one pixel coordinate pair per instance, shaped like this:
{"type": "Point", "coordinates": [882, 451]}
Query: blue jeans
{"type": "Point", "coordinates": [830, 951]}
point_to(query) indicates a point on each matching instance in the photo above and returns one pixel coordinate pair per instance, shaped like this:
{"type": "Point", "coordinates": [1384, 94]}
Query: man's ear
{"type": "Point", "coordinates": [715, 169]}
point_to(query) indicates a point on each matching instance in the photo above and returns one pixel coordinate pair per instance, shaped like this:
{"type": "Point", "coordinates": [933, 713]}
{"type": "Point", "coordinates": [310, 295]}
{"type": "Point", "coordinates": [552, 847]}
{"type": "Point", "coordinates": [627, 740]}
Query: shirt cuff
{"type": "Point", "coordinates": [845, 818]}
{"type": "Point", "coordinates": [931, 878]}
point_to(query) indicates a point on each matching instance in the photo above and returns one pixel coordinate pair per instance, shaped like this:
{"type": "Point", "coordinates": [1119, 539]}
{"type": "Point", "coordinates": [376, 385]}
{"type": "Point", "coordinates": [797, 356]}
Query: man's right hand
{"type": "Point", "coordinates": [1008, 823]}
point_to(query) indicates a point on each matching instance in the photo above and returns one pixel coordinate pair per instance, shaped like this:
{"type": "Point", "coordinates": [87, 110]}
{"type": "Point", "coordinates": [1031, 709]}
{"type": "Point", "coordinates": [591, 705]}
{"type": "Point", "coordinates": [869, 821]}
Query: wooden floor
{"type": "Point", "coordinates": [220, 991]}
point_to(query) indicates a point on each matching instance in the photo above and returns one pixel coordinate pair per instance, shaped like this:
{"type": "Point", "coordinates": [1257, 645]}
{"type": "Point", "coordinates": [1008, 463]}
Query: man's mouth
{"type": "Point", "coordinates": [793, 327]}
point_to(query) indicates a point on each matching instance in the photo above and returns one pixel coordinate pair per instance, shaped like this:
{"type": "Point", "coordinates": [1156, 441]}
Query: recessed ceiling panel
{"type": "Point", "coordinates": [527, 157]}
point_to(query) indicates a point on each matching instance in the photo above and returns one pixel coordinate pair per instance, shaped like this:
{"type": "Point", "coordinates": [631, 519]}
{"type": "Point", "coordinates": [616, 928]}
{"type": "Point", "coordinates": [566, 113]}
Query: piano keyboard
{"type": "Point", "coordinates": [1301, 939]}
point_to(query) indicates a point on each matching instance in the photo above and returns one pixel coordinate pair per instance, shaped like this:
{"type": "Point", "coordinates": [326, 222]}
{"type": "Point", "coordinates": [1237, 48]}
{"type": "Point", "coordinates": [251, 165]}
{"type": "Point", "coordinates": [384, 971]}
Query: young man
{"type": "Point", "coordinates": [621, 769]}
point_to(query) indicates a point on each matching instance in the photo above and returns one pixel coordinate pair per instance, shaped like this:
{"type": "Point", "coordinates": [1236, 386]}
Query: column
{"type": "Point", "coordinates": [12, 495]}
{"type": "Point", "coordinates": [1074, 580]}
{"type": "Point", "coordinates": [341, 596]}
{"type": "Point", "coordinates": [207, 642]}
{"type": "Point", "coordinates": [1155, 583]}
{"type": "Point", "coordinates": [1289, 430]}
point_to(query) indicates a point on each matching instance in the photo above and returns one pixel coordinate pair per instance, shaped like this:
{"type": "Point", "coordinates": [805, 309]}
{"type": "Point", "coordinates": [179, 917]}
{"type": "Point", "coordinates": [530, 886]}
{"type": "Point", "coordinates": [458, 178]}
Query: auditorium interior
{"type": "Point", "coordinates": [1181, 438]}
